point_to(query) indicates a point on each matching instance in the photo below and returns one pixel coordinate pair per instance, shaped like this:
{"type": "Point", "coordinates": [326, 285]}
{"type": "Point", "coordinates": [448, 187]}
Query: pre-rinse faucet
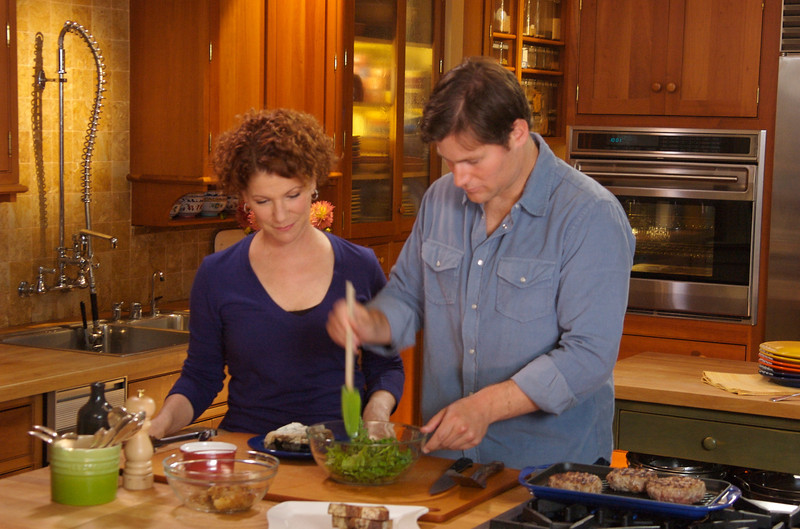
{"type": "Point", "coordinates": [153, 299]}
{"type": "Point", "coordinates": [80, 255]}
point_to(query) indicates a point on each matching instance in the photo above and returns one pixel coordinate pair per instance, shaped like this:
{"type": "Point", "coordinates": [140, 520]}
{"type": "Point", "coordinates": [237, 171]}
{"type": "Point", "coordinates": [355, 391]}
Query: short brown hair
{"type": "Point", "coordinates": [285, 142]}
{"type": "Point", "coordinates": [479, 97]}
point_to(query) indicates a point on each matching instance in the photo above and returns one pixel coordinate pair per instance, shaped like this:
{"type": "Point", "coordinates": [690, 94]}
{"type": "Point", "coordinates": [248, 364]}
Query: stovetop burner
{"type": "Point", "coordinates": [547, 514]}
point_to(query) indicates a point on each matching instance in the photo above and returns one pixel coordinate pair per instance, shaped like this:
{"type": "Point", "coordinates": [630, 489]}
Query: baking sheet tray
{"type": "Point", "coordinates": [719, 494]}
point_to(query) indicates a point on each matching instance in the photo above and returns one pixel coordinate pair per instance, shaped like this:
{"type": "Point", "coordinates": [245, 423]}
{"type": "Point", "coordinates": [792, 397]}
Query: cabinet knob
{"type": "Point", "coordinates": [656, 87]}
{"type": "Point", "coordinates": [671, 87]}
{"type": "Point", "coordinates": [709, 443]}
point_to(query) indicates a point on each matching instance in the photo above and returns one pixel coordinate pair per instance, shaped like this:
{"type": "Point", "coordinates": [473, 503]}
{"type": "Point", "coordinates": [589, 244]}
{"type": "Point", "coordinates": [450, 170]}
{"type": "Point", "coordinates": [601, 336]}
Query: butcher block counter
{"type": "Point", "coordinates": [664, 408]}
{"type": "Point", "coordinates": [25, 500]}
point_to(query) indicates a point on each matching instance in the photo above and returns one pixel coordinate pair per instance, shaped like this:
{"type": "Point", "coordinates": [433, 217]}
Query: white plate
{"type": "Point", "coordinates": [314, 515]}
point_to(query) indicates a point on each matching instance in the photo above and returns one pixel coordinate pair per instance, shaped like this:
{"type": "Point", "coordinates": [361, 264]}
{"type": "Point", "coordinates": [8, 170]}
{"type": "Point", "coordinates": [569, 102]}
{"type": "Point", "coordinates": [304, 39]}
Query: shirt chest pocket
{"type": "Point", "coordinates": [442, 265]}
{"type": "Point", "coordinates": [525, 288]}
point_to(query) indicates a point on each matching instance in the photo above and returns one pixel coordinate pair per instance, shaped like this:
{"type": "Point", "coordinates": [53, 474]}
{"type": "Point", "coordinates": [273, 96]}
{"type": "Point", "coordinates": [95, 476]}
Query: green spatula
{"type": "Point", "coordinates": [351, 397]}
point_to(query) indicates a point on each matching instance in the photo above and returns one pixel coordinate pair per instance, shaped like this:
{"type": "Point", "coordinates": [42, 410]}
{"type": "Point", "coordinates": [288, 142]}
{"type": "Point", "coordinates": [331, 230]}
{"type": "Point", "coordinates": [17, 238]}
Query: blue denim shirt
{"type": "Point", "coordinates": [540, 301]}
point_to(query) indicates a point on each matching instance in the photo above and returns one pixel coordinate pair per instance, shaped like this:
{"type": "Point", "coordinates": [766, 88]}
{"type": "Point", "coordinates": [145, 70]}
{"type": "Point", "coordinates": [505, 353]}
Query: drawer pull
{"type": "Point", "coordinates": [709, 443]}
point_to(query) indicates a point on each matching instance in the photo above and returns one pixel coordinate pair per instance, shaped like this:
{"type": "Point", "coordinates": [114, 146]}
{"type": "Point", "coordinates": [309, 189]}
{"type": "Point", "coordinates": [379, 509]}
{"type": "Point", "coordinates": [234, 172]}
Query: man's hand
{"type": "Point", "coordinates": [369, 326]}
{"type": "Point", "coordinates": [459, 426]}
{"type": "Point", "coordinates": [463, 424]}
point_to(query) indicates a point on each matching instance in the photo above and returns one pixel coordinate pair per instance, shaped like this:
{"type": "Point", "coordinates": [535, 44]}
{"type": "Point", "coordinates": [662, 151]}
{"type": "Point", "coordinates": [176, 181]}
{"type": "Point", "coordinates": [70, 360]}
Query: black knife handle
{"type": "Point", "coordinates": [461, 464]}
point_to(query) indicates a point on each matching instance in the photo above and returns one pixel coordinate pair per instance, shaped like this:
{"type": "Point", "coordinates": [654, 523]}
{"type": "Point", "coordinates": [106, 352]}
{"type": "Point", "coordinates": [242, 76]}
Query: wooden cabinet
{"type": "Point", "coordinates": [710, 339]}
{"type": "Point", "coordinates": [669, 57]}
{"type": "Point", "coordinates": [9, 153]}
{"type": "Point", "coordinates": [20, 451]}
{"type": "Point", "coordinates": [157, 387]}
{"type": "Point", "coordinates": [766, 443]}
{"type": "Point", "coordinates": [194, 67]}
{"type": "Point", "coordinates": [392, 59]}
{"type": "Point", "coordinates": [528, 37]}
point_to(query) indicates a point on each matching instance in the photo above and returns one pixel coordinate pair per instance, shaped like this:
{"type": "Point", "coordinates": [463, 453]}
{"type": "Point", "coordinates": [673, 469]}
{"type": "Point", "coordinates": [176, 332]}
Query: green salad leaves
{"type": "Point", "coordinates": [368, 461]}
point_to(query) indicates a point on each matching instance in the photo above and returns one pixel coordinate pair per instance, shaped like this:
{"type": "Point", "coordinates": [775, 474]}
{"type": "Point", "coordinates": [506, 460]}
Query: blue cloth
{"type": "Point", "coordinates": [541, 301]}
{"type": "Point", "coordinates": [284, 367]}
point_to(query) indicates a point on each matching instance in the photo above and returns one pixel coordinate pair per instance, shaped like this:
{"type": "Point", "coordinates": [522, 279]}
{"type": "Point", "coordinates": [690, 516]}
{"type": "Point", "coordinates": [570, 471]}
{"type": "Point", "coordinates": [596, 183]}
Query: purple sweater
{"type": "Point", "coordinates": [284, 367]}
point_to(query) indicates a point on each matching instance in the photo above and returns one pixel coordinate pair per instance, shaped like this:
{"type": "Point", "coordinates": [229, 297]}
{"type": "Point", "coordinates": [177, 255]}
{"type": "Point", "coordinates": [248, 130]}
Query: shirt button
{"type": "Point", "coordinates": [480, 262]}
{"type": "Point", "coordinates": [438, 263]}
{"type": "Point", "coordinates": [505, 226]}
{"type": "Point", "coordinates": [522, 279]}
{"type": "Point", "coordinates": [472, 351]}
{"type": "Point", "coordinates": [474, 306]}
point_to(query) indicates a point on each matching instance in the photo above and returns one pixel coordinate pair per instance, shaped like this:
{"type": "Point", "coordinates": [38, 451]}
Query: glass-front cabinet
{"type": "Point", "coordinates": [526, 37]}
{"type": "Point", "coordinates": [394, 67]}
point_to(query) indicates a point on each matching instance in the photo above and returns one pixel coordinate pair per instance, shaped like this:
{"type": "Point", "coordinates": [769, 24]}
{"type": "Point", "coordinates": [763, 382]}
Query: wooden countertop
{"type": "Point", "coordinates": [662, 378]}
{"type": "Point", "coordinates": [25, 503]}
{"type": "Point", "coordinates": [26, 371]}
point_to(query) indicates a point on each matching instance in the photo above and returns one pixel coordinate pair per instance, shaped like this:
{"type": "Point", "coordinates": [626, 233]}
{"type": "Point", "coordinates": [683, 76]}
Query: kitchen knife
{"type": "Point", "coordinates": [446, 481]}
{"type": "Point", "coordinates": [479, 477]}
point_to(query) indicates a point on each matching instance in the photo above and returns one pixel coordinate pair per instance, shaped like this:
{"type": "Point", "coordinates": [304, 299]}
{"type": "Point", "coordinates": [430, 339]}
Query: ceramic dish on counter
{"type": "Point", "coordinates": [767, 361]}
{"type": "Point", "coordinates": [792, 381]}
{"type": "Point", "coordinates": [314, 515]}
{"type": "Point", "coordinates": [257, 444]}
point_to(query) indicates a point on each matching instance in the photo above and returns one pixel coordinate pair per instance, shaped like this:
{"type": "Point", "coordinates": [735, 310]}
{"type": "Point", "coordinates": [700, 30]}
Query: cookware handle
{"type": "Point", "coordinates": [527, 472]}
{"type": "Point", "coordinates": [727, 498]}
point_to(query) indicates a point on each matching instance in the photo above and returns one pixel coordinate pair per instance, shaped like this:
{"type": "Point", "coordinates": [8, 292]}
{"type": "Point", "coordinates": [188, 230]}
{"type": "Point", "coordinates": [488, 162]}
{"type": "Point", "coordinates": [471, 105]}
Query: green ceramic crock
{"type": "Point", "coordinates": [83, 476]}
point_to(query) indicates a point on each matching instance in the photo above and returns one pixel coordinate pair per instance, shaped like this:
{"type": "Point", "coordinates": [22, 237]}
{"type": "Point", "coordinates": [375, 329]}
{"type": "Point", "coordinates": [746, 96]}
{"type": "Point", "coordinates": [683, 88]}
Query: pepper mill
{"type": "Point", "coordinates": [138, 473]}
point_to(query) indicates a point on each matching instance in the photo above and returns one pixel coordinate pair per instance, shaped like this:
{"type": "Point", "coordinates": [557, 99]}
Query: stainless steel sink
{"type": "Point", "coordinates": [118, 339]}
{"type": "Point", "coordinates": [178, 321]}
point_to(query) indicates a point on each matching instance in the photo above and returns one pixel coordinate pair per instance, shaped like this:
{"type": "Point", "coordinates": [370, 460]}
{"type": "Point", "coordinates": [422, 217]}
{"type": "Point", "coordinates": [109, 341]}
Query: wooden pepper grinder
{"type": "Point", "coordinates": [138, 473]}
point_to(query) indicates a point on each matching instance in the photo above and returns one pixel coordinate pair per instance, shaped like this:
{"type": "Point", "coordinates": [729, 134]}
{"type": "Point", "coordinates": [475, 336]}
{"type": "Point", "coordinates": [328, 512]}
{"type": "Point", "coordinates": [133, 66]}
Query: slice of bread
{"type": "Point", "coordinates": [367, 512]}
{"type": "Point", "coordinates": [343, 522]}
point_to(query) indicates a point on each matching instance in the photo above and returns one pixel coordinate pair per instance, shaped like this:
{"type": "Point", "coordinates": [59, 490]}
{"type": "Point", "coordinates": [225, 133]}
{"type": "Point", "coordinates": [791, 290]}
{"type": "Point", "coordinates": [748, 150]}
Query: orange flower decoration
{"type": "Point", "coordinates": [322, 215]}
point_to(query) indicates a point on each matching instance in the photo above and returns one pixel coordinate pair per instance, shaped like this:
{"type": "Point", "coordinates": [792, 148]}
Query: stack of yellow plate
{"type": "Point", "coordinates": [780, 361]}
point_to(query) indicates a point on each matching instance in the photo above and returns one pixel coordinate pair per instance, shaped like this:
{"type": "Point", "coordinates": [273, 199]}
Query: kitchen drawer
{"type": "Point", "coordinates": [726, 438]}
{"type": "Point", "coordinates": [634, 344]}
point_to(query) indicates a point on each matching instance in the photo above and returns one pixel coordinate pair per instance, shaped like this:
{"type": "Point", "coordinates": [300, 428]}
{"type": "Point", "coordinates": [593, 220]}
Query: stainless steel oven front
{"type": "Point", "coordinates": [693, 198]}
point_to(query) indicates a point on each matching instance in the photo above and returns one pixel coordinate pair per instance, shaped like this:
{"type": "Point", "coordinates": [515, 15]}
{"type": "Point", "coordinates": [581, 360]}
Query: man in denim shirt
{"type": "Point", "coordinates": [517, 269]}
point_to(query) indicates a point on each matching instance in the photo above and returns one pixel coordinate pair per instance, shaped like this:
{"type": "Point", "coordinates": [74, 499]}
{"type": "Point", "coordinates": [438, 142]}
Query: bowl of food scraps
{"type": "Point", "coordinates": [379, 453]}
{"type": "Point", "coordinates": [233, 485]}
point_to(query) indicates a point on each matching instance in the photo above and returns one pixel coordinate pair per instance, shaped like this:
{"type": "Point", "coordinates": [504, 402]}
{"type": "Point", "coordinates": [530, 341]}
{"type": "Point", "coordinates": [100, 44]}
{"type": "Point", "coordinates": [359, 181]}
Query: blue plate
{"type": "Point", "coordinates": [783, 380]}
{"type": "Point", "coordinates": [257, 444]}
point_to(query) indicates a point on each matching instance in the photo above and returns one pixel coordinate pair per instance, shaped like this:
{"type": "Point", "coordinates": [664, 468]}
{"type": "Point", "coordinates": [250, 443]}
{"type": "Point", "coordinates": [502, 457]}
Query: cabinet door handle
{"type": "Point", "coordinates": [709, 443]}
{"type": "Point", "coordinates": [671, 87]}
{"type": "Point", "coordinates": [656, 87]}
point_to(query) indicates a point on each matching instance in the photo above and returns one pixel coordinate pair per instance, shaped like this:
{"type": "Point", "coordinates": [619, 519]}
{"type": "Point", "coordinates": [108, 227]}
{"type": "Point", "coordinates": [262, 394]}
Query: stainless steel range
{"type": "Point", "coordinates": [693, 198]}
{"type": "Point", "coordinates": [548, 514]}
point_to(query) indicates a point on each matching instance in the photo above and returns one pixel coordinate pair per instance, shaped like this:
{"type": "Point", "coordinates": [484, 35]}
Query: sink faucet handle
{"type": "Point", "coordinates": [116, 310]}
{"type": "Point", "coordinates": [136, 311]}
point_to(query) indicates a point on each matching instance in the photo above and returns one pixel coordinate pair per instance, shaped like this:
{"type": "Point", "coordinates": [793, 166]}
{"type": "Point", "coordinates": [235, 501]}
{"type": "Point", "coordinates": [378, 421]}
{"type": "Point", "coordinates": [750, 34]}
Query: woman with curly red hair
{"type": "Point", "coordinates": [258, 308]}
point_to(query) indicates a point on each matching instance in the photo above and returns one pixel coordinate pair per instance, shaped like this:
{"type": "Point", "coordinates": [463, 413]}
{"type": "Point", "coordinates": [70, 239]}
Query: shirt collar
{"type": "Point", "coordinates": [539, 186]}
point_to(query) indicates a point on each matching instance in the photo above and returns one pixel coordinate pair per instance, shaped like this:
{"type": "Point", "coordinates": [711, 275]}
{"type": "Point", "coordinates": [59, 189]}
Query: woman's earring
{"type": "Point", "coordinates": [245, 208]}
{"type": "Point", "coordinates": [315, 194]}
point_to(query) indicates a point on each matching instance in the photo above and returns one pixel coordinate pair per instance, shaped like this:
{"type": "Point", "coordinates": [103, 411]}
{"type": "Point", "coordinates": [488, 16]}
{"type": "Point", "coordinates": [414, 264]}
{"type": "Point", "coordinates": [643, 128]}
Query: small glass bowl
{"type": "Point", "coordinates": [235, 486]}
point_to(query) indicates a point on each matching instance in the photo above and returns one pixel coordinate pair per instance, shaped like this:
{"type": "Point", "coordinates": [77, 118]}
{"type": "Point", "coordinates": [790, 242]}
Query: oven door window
{"type": "Point", "coordinates": [691, 240]}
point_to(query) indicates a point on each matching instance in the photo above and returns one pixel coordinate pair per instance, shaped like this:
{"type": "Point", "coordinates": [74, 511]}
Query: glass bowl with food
{"type": "Point", "coordinates": [380, 452]}
{"type": "Point", "coordinates": [224, 485]}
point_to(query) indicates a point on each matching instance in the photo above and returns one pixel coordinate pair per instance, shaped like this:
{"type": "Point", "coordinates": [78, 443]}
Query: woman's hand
{"type": "Point", "coordinates": [379, 407]}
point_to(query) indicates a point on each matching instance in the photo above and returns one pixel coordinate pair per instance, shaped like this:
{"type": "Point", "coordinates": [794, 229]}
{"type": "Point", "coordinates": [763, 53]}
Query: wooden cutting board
{"type": "Point", "coordinates": [305, 481]}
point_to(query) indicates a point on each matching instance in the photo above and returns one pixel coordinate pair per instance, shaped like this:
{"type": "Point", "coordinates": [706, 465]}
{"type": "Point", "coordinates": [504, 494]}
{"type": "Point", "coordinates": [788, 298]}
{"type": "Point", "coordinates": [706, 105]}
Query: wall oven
{"type": "Point", "coordinates": [693, 198]}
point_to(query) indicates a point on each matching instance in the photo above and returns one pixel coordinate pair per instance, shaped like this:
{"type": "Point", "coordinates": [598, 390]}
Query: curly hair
{"type": "Point", "coordinates": [284, 142]}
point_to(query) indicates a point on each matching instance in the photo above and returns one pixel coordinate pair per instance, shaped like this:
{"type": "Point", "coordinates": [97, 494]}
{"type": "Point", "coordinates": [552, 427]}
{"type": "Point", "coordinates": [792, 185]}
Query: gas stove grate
{"type": "Point", "coordinates": [547, 514]}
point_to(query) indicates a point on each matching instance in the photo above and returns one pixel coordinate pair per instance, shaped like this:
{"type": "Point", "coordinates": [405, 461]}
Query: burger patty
{"type": "Point", "coordinates": [677, 489]}
{"type": "Point", "coordinates": [630, 479]}
{"type": "Point", "coordinates": [577, 481]}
